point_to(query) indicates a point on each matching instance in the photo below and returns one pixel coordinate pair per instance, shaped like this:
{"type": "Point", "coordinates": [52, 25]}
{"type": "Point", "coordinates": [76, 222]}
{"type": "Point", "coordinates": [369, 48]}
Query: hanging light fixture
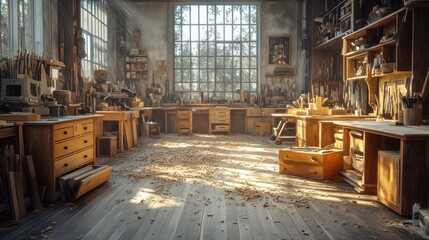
{"type": "Point", "coordinates": [122, 44]}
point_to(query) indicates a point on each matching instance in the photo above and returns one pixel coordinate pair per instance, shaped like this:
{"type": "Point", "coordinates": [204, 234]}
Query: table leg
{"type": "Point", "coordinates": [121, 135]}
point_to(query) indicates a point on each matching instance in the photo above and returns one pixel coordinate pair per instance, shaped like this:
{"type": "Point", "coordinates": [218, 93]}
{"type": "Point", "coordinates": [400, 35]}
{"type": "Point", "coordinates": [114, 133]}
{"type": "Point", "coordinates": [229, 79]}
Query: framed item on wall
{"type": "Point", "coordinates": [279, 47]}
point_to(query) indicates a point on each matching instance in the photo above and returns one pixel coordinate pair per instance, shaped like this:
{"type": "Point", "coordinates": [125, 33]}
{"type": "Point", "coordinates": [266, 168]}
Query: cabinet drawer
{"type": "Point", "coordinates": [221, 128]}
{"type": "Point", "coordinates": [221, 119]}
{"type": "Point", "coordinates": [64, 133]}
{"type": "Point", "coordinates": [87, 128]}
{"type": "Point", "coordinates": [302, 157]}
{"type": "Point", "coordinates": [183, 124]}
{"type": "Point", "coordinates": [68, 130]}
{"type": "Point", "coordinates": [69, 163]}
{"type": "Point", "coordinates": [183, 115]}
{"type": "Point", "coordinates": [303, 170]}
{"type": "Point", "coordinates": [64, 148]}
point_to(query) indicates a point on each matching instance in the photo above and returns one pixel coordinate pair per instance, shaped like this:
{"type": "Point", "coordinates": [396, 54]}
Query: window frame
{"type": "Point", "coordinates": [95, 38]}
{"type": "Point", "coordinates": [229, 93]}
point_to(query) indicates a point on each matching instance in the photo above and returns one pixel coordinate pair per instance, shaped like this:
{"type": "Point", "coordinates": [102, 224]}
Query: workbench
{"type": "Point", "coordinates": [127, 121]}
{"type": "Point", "coordinates": [408, 174]}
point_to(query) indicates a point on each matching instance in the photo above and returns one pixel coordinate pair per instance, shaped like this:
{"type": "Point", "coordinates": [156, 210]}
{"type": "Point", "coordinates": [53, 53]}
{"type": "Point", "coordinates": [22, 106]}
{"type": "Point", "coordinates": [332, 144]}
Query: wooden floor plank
{"type": "Point", "coordinates": [213, 224]}
{"type": "Point", "coordinates": [190, 225]}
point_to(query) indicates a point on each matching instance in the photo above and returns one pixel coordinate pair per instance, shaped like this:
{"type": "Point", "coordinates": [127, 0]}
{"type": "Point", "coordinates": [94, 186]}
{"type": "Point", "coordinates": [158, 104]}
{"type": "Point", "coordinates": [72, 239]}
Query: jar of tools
{"type": "Point", "coordinates": [412, 109]}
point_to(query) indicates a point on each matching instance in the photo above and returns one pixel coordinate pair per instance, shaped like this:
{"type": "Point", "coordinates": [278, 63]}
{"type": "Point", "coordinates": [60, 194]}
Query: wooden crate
{"type": "Point", "coordinates": [263, 128]}
{"type": "Point", "coordinates": [151, 129]}
{"type": "Point", "coordinates": [107, 146]}
{"type": "Point", "coordinates": [311, 162]}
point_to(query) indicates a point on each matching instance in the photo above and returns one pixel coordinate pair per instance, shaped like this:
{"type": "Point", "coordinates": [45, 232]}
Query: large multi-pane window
{"type": "Point", "coordinates": [21, 26]}
{"type": "Point", "coordinates": [4, 28]}
{"type": "Point", "coordinates": [94, 31]}
{"type": "Point", "coordinates": [215, 49]}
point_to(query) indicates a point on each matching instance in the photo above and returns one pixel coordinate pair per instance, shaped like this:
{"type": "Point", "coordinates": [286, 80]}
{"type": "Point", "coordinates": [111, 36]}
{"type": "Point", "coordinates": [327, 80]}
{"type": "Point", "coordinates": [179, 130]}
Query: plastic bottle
{"type": "Point", "coordinates": [416, 212]}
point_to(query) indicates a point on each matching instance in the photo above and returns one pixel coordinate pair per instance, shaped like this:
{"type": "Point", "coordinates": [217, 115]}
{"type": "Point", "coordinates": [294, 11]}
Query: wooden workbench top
{"type": "Point", "coordinates": [388, 129]}
{"type": "Point", "coordinates": [56, 120]}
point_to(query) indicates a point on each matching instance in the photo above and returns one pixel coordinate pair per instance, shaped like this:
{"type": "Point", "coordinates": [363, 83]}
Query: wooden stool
{"type": "Point", "coordinates": [106, 146]}
{"type": "Point", "coordinates": [151, 129]}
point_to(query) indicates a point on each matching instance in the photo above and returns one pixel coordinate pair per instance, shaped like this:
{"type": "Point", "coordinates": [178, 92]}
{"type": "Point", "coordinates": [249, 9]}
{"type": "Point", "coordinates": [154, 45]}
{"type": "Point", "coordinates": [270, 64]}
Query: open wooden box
{"type": "Point", "coordinates": [81, 181]}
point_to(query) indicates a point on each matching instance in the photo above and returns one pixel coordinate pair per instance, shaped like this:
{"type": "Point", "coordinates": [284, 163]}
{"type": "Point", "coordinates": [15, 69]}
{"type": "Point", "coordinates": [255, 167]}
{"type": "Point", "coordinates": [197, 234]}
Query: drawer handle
{"type": "Point", "coordinates": [313, 159]}
{"type": "Point", "coordinates": [65, 132]}
{"type": "Point", "coordinates": [86, 141]}
{"type": "Point", "coordinates": [85, 156]}
{"type": "Point", "coordinates": [65, 147]}
{"type": "Point", "coordinates": [66, 164]}
{"type": "Point", "coordinates": [85, 128]}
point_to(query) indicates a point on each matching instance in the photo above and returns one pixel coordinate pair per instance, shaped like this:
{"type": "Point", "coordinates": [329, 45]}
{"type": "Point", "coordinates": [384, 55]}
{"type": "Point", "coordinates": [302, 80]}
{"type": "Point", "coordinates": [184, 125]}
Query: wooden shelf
{"type": "Point", "coordinates": [333, 43]}
{"type": "Point", "coordinates": [357, 78]}
{"type": "Point", "coordinates": [382, 22]}
{"type": "Point", "coordinates": [375, 48]}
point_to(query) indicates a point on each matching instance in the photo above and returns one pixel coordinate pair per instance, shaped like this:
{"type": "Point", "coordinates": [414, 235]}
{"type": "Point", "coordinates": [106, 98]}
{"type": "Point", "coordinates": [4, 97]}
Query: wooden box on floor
{"type": "Point", "coordinates": [81, 181]}
{"type": "Point", "coordinates": [311, 162]}
{"type": "Point", "coordinates": [263, 128]}
{"type": "Point", "coordinates": [151, 129]}
{"type": "Point", "coordinates": [106, 146]}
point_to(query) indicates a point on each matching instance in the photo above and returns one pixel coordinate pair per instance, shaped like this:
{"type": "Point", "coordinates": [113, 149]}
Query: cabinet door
{"type": "Point", "coordinates": [389, 177]}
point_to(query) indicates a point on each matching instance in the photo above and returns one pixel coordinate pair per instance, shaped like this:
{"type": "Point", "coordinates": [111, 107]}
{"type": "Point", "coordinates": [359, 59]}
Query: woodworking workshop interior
{"type": "Point", "coordinates": [214, 119]}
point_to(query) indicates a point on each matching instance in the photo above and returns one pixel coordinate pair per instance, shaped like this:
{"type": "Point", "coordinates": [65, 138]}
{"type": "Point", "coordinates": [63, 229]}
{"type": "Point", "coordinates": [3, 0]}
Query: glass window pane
{"type": "Point", "coordinates": [236, 32]}
{"type": "Point", "coordinates": [219, 32]}
{"type": "Point", "coordinates": [219, 14]}
{"type": "Point", "coordinates": [186, 62]}
{"type": "Point", "coordinates": [195, 75]}
{"type": "Point", "coordinates": [186, 14]}
{"type": "Point", "coordinates": [195, 62]}
{"type": "Point", "coordinates": [228, 14]}
{"type": "Point", "coordinates": [212, 62]}
{"type": "Point", "coordinates": [203, 14]}
{"type": "Point", "coordinates": [212, 32]}
{"type": "Point", "coordinates": [237, 14]}
{"type": "Point", "coordinates": [203, 49]}
{"type": "Point", "coordinates": [186, 49]}
{"type": "Point", "coordinates": [228, 32]}
{"type": "Point", "coordinates": [194, 33]}
{"type": "Point", "coordinates": [203, 33]}
{"type": "Point", "coordinates": [211, 14]}
{"type": "Point", "coordinates": [253, 75]}
{"type": "Point", "coordinates": [194, 14]}
{"type": "Point", "coordinates": [220, 62]}
{"type": "Point", "coordinates": [177, 14]}
{"type": "Point", "coordinates": [203, 62]}
{"type": "Point", "coordinates": [185, 33]}
{"type": "Point", "coordinates": [177, 49]}
{"type": "Point", "coordinates": [195, 48]}
{"type": "Point", "coordinates": [177, 63]}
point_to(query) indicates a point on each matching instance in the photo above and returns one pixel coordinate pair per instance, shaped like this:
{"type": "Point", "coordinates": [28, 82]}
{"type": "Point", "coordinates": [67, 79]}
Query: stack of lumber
{"type": "Point", "coordinates": [18, 186]}
{"type": "Point", "coordinates": [81, 181]}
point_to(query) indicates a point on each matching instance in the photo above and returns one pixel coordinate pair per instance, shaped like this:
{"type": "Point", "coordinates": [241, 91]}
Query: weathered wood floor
{"type": "Point", "coordinates": [212, 187]}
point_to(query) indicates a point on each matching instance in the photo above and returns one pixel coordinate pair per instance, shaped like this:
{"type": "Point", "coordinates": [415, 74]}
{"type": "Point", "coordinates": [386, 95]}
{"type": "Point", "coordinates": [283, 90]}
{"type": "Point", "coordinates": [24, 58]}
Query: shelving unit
{"type": "Point", "coordinates": [136, 70]}
{"type": "Point", "coordinates": [380, 50]}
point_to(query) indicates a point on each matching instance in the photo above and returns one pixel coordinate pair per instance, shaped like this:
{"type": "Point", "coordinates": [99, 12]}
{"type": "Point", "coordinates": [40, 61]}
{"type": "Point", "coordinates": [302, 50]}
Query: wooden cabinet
{"type": "Point", "coordinates": [59, 147]}
{"type": "Point", "coordinates": [399, 177]}
{"type": "Point", "coordinates": [184, 121]}
{"type": "Point", "coordinates": [219, 120]}
{"type": "Point", "coordinates": [389, 179]}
